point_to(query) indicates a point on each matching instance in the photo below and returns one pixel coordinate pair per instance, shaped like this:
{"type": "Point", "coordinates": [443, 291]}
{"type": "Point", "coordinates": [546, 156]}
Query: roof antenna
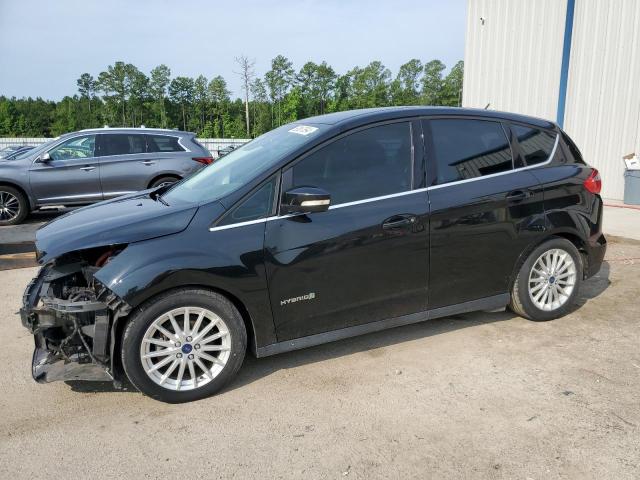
{"type": "Point", "coordinates": [487, 105]}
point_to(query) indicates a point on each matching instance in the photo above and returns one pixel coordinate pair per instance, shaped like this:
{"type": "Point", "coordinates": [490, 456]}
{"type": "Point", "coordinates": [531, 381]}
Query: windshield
{"type": "Point", "coordinates": [36, 150]}
{"type": "Point", "coordinates": [241, 165]}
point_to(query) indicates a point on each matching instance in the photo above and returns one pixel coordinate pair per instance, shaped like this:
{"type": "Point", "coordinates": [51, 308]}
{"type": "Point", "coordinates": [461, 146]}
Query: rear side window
{"type": "Point", "coordinates": [163, 143]}
{"type": "Point", "coordinates": [366, 164]}
{"type": "Point", "coordinates": [466, 149]}
{"type": "Point", "coordinates": [536, 145]}
{"type": "Point", "coordinates": [121, 144]}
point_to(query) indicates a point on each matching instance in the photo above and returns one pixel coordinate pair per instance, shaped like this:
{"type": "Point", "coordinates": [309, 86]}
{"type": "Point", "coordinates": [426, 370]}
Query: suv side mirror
{"type": "Point", "coordinates": [44, 158]}
{"type": "Point", "coordinates": [305, 200]}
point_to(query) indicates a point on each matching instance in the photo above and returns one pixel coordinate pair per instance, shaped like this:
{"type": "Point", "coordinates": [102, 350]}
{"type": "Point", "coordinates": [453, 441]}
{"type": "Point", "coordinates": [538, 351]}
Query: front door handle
{"type": "Point", "coordinates": [398, 221]}
{"type": "Point", "coordinates": [148, 162]}
{"type": "Point", "coordinates": [88, 168]}
{"type": "Point", "coordinates": [517, 196]}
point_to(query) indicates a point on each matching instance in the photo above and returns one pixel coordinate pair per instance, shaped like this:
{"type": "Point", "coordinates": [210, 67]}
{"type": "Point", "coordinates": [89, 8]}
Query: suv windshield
{"type": "Point", "coordinates": [241, 165]}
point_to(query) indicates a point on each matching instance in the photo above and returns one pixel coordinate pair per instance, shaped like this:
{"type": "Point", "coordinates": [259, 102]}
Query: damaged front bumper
{"type": "Point", "coordinates": [72, 318]}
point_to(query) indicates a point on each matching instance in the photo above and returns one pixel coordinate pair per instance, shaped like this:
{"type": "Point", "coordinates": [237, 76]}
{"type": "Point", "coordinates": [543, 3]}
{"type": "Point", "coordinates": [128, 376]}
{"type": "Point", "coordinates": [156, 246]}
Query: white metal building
{"type": "Point", "coordinates": [576, 62]}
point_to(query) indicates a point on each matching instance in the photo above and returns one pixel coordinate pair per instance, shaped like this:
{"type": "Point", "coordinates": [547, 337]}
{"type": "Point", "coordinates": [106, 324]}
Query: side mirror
{"type": "Point", "coordinates": [44, 158]}
{"type": "Point", "coordinates": [305, 200]}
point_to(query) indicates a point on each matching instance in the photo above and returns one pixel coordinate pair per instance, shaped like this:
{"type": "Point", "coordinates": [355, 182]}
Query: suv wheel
{"type": "Point", "coordinates": [14, 207]}
{"type": "Point", "coordinates": [184, 345]}
{"type": "Point", "coordinates": [548, 281]}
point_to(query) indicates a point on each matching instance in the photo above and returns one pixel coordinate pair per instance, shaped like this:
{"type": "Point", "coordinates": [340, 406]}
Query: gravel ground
{"type": "Point", "coordinates": [482, 395]}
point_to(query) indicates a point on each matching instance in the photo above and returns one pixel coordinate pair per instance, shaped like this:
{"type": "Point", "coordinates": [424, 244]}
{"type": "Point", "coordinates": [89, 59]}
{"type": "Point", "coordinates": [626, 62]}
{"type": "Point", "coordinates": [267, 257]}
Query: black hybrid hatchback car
{"type": "Point", "coordinates": [323, 229]}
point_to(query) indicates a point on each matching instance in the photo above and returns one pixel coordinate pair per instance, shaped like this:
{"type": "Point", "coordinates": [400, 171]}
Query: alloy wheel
{"type": "Point", "coordinates": [9, 206]}
{"type": "Point", "coordinates": [185, 348]}
{"type": "Point", "coordinates": [552, 279]}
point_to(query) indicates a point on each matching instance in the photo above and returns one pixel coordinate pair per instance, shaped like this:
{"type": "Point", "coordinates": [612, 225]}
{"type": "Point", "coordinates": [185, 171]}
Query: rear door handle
{"type": "Point", "coordinates": [517, 196]}
{"type": "Point", "coordinates": [88, 168]}
{"type": "Point", "coordinates": [398, 221]}
{"type": "Point", "coordinates": [148, 162]}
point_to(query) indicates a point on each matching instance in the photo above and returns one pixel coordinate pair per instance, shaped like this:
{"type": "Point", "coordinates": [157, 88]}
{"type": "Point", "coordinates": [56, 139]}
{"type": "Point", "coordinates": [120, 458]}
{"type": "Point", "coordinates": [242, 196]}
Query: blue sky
{"type": "Point", "coordinates": [46, 45]}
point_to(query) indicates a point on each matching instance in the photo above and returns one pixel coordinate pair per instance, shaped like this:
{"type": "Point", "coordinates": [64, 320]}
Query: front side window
{"type": "Point", "coordinates": [163, 143]}
{"type": "Point", "coordinates": [465, 149]}
{"type": "Point", "coordinates": [255, 206]}
{"type": "Point", "coordinates": [77, 147]}
{"type": "Point", "coordinates": [536, 145]}
{"type": "Point", "coordinates": [366, 164]}
{"type": "Point", "coordinates": [121, 144]}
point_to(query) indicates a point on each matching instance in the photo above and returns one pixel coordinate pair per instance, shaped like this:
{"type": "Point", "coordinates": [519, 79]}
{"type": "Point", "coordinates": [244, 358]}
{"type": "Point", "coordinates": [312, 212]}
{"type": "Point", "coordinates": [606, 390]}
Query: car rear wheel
{"type": "Point", "coordinates": [14, 207]}
{"type": "Point", "coordinates": [162, 181]}
{"type": "Point", "coordinates": [183, 346]}
{"type": "Point", "coordinates": [548, 281]}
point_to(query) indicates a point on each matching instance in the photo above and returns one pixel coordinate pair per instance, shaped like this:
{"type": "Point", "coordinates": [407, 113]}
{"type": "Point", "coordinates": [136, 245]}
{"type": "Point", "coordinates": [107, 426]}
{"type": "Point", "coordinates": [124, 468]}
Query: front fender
{"type": "Point", "coordinates": [21, 181]}
{"type": "Point", "coordinates": [193, 258]}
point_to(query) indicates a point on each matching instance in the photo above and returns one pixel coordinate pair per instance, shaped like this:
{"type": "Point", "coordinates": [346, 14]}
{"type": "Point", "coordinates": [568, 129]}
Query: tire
{"type": "Point", "coordinates": [142, 338]}
{"type": "Point", "coordinates": [14, 206]}
{"type": "Point", "coordinates": [163, 181]}
{"type": "Point", "coordinates": [529, 297]}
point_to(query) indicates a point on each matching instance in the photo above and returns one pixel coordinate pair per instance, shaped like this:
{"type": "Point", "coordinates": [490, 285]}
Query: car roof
{"type": "Point", "coordinates": [352, 118]}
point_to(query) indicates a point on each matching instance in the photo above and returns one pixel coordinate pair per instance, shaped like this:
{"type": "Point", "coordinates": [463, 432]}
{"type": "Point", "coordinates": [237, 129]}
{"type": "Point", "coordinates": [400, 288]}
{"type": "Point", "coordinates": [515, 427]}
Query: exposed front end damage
{"type": "Point", "coordinates": [73, 317]}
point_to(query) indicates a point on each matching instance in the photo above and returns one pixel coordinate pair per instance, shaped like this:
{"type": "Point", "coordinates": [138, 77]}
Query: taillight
{"type": "Point", "coordinates": [203, 160]}
{"type": "Point", "coordinates": [593, 183]}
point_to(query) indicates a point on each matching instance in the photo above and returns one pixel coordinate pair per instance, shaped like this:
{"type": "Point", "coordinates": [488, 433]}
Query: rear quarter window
{"type": "Point", "coordinates": [163, 143]}
{"type": "Point", "coordinates": [197, 143]}
{"type": "Point", "coordinates": [536, 145]}
{"type": "Point", "coordinates": [574, 152]}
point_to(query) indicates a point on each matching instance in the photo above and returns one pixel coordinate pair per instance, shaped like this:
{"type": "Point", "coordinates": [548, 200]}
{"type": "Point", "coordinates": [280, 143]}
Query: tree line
{"type": "Point", "coordinates": [123, 95]}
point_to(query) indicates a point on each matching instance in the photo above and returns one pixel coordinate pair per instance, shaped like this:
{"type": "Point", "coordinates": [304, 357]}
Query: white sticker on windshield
{"type": "Point", "coordinates": [303, 130]}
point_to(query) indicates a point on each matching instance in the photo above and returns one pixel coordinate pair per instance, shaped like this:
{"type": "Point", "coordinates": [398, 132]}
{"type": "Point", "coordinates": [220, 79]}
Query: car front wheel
{"type": "Point", "coordinates": [548, 281]}
{"type": "Point", "coordinates": [184, 345]}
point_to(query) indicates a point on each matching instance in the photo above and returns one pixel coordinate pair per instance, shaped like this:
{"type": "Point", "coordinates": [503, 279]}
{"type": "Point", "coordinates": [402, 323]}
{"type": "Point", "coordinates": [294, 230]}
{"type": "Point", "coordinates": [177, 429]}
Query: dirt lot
{"type": "Point", "coordinates": [483, 395]}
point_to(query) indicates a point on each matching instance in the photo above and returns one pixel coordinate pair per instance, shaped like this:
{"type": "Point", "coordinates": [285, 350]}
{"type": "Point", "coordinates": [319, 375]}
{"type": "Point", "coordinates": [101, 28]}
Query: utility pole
{"type": "Point", "coordinates": [246, 75]}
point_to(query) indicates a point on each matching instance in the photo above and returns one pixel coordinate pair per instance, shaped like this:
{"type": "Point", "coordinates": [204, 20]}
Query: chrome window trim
{"type": "Point", "coordinates": [399, 194]}
{"type": "Point", "coordinates": [239, 224]}
{"type": "Point", "coordinates": [332, 207]}
{"type": "Point", "coordinates": [375, 199]}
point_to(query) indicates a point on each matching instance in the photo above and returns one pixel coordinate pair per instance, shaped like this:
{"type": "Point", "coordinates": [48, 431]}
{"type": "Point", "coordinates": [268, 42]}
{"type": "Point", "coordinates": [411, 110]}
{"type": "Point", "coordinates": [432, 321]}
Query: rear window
{"type": "Point", "coordinates": [466, 148]}
{"type": "Point", "coordinates": [163, 143]}
{"type": "Point", "coordinates": [536, 145]}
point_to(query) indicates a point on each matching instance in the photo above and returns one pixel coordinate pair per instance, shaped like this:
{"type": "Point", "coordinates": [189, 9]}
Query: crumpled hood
{"type": "Point", "coordinates": [127, 219]}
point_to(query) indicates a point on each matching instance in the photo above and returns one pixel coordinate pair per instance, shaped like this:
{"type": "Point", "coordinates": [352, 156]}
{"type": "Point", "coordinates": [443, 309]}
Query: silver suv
{"type": "Point", "coordinates": [92, 165]}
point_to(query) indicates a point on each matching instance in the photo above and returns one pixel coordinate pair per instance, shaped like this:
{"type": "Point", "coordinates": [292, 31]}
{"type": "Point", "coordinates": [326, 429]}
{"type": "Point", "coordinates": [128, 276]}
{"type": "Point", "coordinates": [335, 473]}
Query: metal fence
{"type": "Point", "coordinates": [214, 145]}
